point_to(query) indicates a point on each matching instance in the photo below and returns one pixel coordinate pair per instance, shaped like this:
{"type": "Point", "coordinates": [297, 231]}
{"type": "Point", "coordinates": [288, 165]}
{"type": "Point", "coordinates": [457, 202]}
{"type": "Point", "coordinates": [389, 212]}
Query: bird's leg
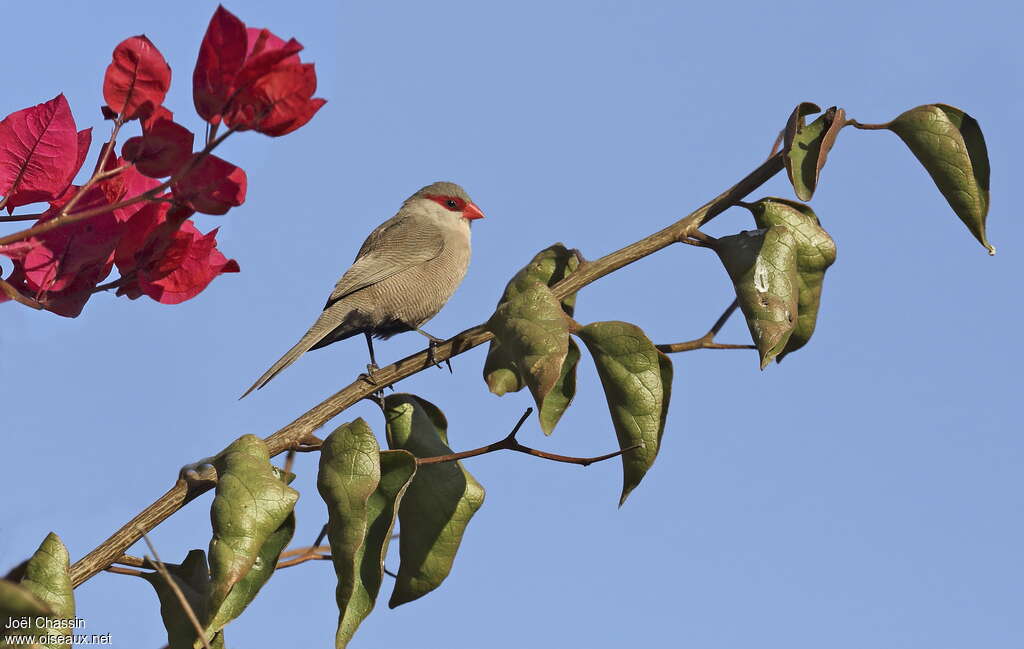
{"type": "Point", "coordinates": [371, 367]}
{"type": "Point", "coordinates": [434, 341]}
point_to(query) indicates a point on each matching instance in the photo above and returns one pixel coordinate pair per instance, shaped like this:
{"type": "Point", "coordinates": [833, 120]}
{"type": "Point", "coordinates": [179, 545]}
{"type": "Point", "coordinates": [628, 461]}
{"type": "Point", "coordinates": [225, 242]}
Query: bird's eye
{"type": "Point", "coordinates": [452, 204]}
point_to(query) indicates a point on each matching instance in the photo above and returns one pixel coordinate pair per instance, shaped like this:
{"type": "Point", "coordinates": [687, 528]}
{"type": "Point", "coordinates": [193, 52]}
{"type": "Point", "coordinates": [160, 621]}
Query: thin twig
{"type": "Point", "coordinates": [15, 294]}
{"type": "Point", "coordinates": [511, 444]}
{"type": "Point", "coordinates": [65, 218]}
{"type": "Point", "coordinates": [118, 570]}
{"type": "Point", "coordinates": [707, 341]}
{"type": "Point", "coordinates": [289, 460]}
{"type": "Point", "coordinates": [162, 569]}
{"type": "Point", "coordinates": [866, 127]}
{"type": "Point", "coordinates": [302, 559]}
{"type": "Point", "coordinates": [304, 425]}
{"type": "Point", "coordinates": [19, 217]}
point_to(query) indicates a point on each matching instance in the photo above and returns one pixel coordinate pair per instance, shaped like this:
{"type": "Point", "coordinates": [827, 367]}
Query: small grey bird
{"type": "Point", "coordinates": [403, 274]}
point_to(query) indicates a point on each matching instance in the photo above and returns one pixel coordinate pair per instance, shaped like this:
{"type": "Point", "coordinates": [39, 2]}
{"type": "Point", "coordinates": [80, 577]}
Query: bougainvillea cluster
{"type": "Point", "coordinates": [134, 212]}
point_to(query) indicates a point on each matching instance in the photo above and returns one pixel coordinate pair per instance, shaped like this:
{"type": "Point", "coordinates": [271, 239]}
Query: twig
{"type": "Point", "coordinates": [15, 294]}
{"type": "Point", "coordinates": [289, 460]}
{"type": "Point", "coordinates": [303, 426]}
{"type": "Point", "coordinates": [118, 570]}
{"type": "Point", "coordinates": [65, 217]}
{"type": "Point", "coordinates": [707, 341]}
{"type": "Point", "coordinates": [162, 569]}
{"type": "Point", "coordinates": [866, 127]}
{"type": "Point", "coordinates": [302, 559]}
{"type": "Point", "coordinates": [510, 443]}
{"type": "Point", "coordinates": [109, 285]}
{"type": "Point", "coordinates": [19, 217]}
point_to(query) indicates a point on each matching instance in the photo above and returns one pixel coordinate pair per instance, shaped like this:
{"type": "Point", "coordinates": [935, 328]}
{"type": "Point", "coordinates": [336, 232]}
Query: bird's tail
{"type": "Point", "coordinates": [311, 338]}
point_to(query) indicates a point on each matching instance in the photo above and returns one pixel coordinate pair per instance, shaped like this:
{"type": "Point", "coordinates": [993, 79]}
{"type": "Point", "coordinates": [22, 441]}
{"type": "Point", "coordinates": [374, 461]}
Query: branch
{"type": "Point", "coordinates": [65, 217]}
{"type": "Point", "coordinates": [293, 433]}
{"type": "Point", "coordinates": [510, 443]}
{"type": "Point", "coordinates": [707, 341]}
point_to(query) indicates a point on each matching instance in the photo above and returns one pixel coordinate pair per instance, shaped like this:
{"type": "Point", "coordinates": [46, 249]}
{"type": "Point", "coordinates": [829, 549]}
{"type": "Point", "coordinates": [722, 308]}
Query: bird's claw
{"type": "Point", "coordinates": [369, 378]}
{"type": "Point", "coordinates": [432, 359]}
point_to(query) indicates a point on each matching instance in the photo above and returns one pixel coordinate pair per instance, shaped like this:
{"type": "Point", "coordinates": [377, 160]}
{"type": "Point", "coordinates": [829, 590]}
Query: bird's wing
{"type": "Point", "coordinates": [398, 244]}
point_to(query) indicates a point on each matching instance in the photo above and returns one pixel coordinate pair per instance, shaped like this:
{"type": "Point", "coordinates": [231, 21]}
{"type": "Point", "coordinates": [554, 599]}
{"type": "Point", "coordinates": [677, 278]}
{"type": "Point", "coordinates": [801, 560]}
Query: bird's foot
{"type": "Point", "coordinates": [372, 380]}
{"type": "Point", "coordinates": [434, 342]}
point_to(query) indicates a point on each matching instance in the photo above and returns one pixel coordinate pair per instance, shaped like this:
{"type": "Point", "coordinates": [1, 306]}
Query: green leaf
{"type": "Point", "coordinates": [815, 252]}
{"type": "Point", "coordinates": [439, 503]}
{"type": "Point", "coordinates": [18, 602]}
{"type": "Point", "coordinates": [193, 579]}
{"type": "Point", "coordinates": [250, 510]}
{"type": "Point", "coordinates": [362, 487]}
{"type": "Point", "coordinates": [549, 266]}
{"type": "Point", "coordinates": [243, 592]}
{"type": "Point", "coordinates": [533, 331]}
{"type": "Point", "coordinates": [950, 145]}
{"type": "Point", "coordinates": [806, 147]}
{"type": "Point", "coordinates": [47, 578]}
{"type": "Point", "coordinates": [637, 381]}
{"type": "Point", "coordinates": [763, 268]}
{"type": "Point", "coordinates": [557, 401]}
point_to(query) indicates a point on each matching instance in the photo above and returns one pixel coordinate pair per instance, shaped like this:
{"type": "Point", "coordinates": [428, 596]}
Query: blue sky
{"type": "Point", "coordinates": [866, 492]}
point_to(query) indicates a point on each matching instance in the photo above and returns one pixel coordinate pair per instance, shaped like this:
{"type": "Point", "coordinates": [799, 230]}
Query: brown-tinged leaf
{"type": "Point", "coordinates": [550, 266]}
{"type": "Point", "coordinates": [437, 506]}
{"type": "Point", "coordinates": [815, 252]}
{"type": "Point", "coordinates": [250, 506]}
{"type": "Point", "coordinates": [637, 381]}
{"type": "Point", "coordinates": [805, 148]}
{"type": "Point", "coordinates": [558, 400]}
{"type": "Point", "coordinates": [763, 268]}
{"type": "Point", "coordinates": [950, 145]}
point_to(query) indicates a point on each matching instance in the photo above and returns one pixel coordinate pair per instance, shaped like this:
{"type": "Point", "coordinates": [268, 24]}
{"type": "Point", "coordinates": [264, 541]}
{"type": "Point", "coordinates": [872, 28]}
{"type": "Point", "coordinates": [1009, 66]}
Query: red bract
{"type": "Point", "coordinates": [212, 186]}
{"type": "Point", "coordinates": [138, 78]}
{"type": "Point", "coordinates": [40, 152]}
{"type": "Point", "coordinates": [166, 257]}
{"type": "Point", "coordinates": [251, 79]}
{"type": "Point", "coordinates": [60, 267]}
{"type": "Point", "coordinates": [161, 150]}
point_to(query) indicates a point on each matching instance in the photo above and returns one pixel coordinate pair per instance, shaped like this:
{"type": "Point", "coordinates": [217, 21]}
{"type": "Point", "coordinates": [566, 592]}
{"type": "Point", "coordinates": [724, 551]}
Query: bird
{"type": "Point", "coordinates": [402, 275]}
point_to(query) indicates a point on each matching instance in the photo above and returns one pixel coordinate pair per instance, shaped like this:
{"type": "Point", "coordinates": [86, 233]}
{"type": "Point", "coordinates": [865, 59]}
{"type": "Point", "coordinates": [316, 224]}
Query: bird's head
{"type": "Point", "coordinates": [445, 201]}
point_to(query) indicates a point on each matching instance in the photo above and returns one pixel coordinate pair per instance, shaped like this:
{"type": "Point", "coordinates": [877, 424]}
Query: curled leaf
{"type": "Point", "coordinates": [362, 487]}
{"type": "Point", "coordinates": [950, 145]}
{"type": "Point", "coordinates": [815, 252]}
{"type": "Point", "coordinates": [533, 332]}
{"type": "Point", "coordinates": [763, 268]}
{"type": "Point", "coordinates": [549, 266]}
{"type": "Point", "coordinates": [558, 400]}
{"type": "Point", "coordinates": [437, 506]}
{"type": "Point", "coordinates": [637, 381]}
{"type": "Point", "coordinates": [805, 148]}
{"type": "Point", "coordinates": [250, 506]}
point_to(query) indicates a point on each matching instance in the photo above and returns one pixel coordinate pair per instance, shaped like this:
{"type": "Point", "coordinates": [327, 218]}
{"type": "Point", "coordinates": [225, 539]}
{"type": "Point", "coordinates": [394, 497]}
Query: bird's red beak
{"type": "Point", "coordinates": [471, 212]}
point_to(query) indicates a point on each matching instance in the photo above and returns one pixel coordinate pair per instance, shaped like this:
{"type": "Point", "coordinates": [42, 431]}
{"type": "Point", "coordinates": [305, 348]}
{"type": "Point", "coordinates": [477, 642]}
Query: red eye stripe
{"type": "Point", "coordinates": [445, 202]}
